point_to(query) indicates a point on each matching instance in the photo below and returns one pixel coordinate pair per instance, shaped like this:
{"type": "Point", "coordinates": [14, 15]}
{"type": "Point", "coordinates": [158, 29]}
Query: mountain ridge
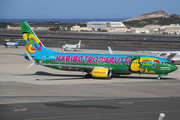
{"type": "Point", "coordinates": [155, 14]}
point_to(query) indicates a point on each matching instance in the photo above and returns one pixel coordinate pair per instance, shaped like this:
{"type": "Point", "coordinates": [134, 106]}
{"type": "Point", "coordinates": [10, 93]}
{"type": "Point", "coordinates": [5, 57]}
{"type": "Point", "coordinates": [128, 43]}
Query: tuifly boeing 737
{"type": "Point", "coordinates": [95, 65]}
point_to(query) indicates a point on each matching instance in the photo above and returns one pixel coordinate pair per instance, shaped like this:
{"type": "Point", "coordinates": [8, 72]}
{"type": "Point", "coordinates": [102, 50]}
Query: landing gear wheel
{"type": "Point", "coordinates": [88, 76]}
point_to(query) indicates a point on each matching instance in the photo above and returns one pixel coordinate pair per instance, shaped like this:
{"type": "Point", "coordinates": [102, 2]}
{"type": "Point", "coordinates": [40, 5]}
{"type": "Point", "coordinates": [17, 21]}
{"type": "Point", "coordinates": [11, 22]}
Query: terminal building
{"type": "Point", "coordinates": [158, 29]}
{"type": "Point", "coordinates": [107, 26]}
{"type": "Point", "coordinates": [102, 25]}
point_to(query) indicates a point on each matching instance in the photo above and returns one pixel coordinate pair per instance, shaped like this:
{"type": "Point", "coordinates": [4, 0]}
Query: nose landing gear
{"type": "Point", "coordinates": [159, 76]}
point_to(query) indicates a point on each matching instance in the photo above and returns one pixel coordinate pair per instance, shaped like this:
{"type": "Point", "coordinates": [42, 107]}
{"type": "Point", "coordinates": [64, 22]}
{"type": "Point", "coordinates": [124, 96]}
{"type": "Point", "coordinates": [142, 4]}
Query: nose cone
{"type": "Point", "coordinates": [173, 67]}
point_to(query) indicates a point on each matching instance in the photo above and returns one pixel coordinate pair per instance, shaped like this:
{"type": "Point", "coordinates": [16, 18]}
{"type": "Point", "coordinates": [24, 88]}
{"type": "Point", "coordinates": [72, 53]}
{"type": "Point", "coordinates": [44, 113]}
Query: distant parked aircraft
{"type": "Point", "coordinates": [72, 46]}
{"type": "Point", "coordinates": [12, 43]}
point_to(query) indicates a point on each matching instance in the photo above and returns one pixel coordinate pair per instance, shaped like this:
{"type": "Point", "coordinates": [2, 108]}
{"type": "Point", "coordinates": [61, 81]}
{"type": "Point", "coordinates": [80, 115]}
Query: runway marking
{"type": "Point", "coordinates": [126, 103]}
{"type": "Point", "coordinates": [20, 109]}
{"type": "Point", "coordinates": [55, 117]}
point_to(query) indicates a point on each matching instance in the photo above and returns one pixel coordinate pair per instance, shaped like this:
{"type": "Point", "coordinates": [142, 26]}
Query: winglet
{"type": "Point", "coordinates": [110, 51]}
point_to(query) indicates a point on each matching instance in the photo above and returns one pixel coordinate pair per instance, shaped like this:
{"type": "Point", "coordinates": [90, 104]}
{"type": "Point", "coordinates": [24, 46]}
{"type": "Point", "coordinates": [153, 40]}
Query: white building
{"type": "Point", "coordinates": [78, 28]}
{"type": "Point", "coordinates": [98, 25]}
{"type": "Point", "coordinates": [109, 26]}
{"type": "Point", "coordinates": [139, 30]}
{"type": "Point", "coordinates": [117, 25]}
{"type": "Point", "coordinates": [158, 29]}
{"type": "Point", "coordinates": [172, 30]}
{"type": "Point", "coordinates": [101, 25]}
{"type": "Point", "coordinates": [117, 29]}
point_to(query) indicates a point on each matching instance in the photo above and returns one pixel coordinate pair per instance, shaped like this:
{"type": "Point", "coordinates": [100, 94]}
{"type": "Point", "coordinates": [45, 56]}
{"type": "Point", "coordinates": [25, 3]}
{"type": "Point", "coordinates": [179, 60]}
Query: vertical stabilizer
{"type": "Point", "coordinates": [17, 42]}
{"type": "Point", "coordinates": [110, 50]}
{"type": "Point", "coordinates": [32, 42]}
{"type": "Point", "coordinates": [79, 44]}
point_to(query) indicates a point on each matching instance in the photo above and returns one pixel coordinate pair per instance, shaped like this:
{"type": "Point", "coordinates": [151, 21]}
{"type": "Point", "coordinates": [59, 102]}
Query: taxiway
{"type": "Point", "coordinates": [41, 93]}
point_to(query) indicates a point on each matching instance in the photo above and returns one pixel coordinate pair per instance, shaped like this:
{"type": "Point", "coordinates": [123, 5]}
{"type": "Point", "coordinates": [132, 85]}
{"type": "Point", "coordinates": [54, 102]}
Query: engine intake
{"type": "Point", "coordinates": [101, 72]}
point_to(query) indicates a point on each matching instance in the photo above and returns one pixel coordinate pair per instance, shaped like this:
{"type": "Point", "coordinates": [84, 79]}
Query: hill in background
{"type": "Point", "coordinates": [157, 18]}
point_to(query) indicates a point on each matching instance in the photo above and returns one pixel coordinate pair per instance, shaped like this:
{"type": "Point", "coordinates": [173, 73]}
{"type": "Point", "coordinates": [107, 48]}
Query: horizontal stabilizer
{"type": "Point", "coordinates": [31, 60]}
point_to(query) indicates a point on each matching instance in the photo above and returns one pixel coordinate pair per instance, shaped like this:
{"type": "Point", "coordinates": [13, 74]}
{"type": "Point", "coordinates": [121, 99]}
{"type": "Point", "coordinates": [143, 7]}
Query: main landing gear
{"type": "Point", "coordinates": [88, 76]}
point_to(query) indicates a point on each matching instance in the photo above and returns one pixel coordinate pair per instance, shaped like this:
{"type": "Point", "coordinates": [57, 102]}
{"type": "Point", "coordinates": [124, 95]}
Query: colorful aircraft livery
{"type": "Point", "coordinates": [32, 43]}
{"type": "Point", "coordinates": [92, 60]}
{"type": "Point", "coordinates": [95, 65]}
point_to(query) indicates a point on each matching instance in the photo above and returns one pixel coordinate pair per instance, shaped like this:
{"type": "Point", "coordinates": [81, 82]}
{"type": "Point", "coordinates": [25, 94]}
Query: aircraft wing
{"type": "Point", "coordinates": [169, 55]}
{"type": "Point", "coordinates": [78, 67]}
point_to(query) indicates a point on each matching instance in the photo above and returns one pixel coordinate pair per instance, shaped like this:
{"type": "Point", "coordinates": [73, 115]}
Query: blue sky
{"type": "Point", "coordinates": [84, 8]}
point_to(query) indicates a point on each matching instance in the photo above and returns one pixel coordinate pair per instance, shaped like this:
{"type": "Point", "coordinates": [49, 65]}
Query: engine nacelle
{"type": "Point", "coordinates": [101, 72]}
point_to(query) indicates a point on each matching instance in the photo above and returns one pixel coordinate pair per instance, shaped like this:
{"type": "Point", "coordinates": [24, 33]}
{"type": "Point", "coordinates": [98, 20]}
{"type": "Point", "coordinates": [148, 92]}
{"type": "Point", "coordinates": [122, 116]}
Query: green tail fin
{"type": "Point", "coordinates": [32, 42]}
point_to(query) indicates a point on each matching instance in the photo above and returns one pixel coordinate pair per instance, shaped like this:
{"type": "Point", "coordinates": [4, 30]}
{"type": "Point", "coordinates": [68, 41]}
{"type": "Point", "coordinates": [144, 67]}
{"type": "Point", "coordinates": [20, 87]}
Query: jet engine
{"type": "Point", "coordinates": [101, 72]}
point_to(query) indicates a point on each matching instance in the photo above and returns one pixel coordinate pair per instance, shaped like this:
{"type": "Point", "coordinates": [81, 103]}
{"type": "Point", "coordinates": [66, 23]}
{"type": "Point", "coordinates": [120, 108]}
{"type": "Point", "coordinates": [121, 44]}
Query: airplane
{"type": "Point", "coordinates": [172, 56]}
{"type": "Point", "coordinates": [95, 65]}
{"type": "Point", "coordinates": [72, 46]}
{"type": "Point", "coordinates": [12, 43]}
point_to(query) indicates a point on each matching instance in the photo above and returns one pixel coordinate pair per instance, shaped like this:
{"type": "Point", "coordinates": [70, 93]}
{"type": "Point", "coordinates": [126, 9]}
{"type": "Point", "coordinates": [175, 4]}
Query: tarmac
{"type": "Point", "coordinates": [44, 93]}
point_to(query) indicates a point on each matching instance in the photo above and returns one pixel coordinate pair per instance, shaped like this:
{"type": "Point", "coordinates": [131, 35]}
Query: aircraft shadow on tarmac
{"type": "Point", "coordinates": [78, 77]}
{"type": "Point", "coordinates": [5, 53]}
{"type": "Point", "coordinates": [75, 77]}
{"type": "Point", "coordinates": [65, 105]}
{"type": "Point", "coordinates": [142, 77]}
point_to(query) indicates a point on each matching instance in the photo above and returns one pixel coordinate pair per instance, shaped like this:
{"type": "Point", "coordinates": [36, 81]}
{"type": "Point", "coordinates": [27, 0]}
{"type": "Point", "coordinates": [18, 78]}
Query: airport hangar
{"type": "Point", "coordinates": [102, 26]}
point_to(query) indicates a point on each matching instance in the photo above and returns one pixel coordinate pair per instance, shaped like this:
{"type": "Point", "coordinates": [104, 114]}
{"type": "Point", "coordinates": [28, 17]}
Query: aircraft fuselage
{"type": "Point", "coordinates": [119, 64]}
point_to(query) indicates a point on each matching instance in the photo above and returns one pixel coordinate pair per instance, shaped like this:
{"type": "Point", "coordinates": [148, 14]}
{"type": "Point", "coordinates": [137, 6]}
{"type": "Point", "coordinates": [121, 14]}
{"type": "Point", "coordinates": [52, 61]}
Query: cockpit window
{"type": "Point", "coordinates": [165, 62]}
